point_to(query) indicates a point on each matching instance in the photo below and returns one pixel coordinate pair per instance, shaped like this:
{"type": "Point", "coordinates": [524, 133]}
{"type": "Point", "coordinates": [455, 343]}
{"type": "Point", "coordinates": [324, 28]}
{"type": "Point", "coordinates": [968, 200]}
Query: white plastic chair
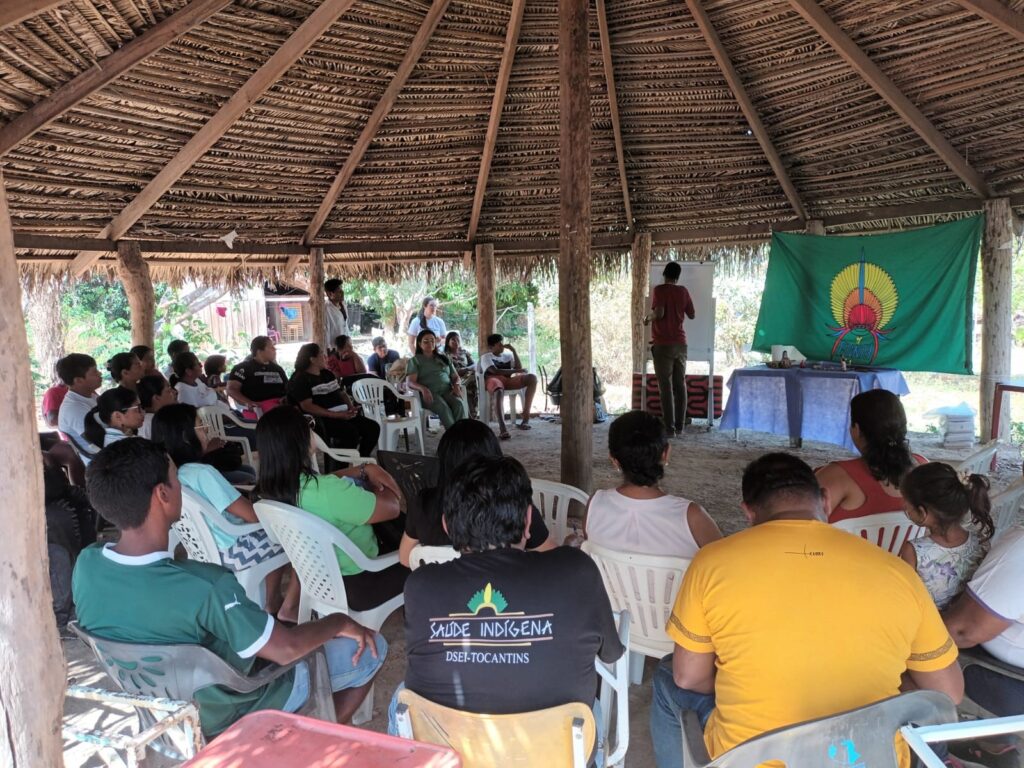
{"type": "Point", "coordinates": [1006, 506]}
{"type": "Point", "coordinates": [310, 544]}
{"type": "Point", "coordinates": [889, 530]}
{"type": "Point", "coordinates": [646, 586]}
{"type": "Point", "coordinates": [370, 394]}
{"type": "Point", "coordinates": [552, 501]}
{"type": "Point", "coordinates": [213, 417]}
{"type": "Point", "coordinates": [979, 462]}
{"type": "Point", "coordinates": [424, 555]}
{"type": "Point", "coordinates": [484, 410]}
{"type": "Point", "coordinates": [343, 455]}
{"type": "Point", "coordinates": [193, 531]}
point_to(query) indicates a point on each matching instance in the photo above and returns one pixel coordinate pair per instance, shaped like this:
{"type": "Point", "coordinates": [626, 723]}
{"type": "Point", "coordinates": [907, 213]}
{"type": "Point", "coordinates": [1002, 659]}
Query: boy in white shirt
{"type": "Point", "coordinates": [502, 370]}
{"type": "Point", "coordinates": [83, 378]}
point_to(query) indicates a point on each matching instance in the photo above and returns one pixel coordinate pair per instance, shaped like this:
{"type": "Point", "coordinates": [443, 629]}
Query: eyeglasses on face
{"type": "Point", "coordinates": [131, 408]}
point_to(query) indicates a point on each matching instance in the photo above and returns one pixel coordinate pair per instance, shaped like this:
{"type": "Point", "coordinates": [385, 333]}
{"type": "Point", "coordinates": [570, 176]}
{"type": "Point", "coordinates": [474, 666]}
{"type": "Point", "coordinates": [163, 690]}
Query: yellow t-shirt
{"type": "Point", "coordinates": [805, 621]}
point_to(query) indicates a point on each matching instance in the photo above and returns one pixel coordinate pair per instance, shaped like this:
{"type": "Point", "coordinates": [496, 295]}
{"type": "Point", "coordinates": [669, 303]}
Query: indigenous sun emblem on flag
{"type": "Point", "coordinates": [864, 299]}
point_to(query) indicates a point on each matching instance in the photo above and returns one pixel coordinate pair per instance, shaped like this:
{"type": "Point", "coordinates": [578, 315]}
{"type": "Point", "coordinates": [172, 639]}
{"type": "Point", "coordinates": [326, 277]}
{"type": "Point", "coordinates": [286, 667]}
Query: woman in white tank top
{"type": "Point", "coordinates": [638, 516]}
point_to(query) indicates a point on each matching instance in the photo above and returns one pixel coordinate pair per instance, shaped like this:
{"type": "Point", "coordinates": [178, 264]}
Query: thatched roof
{"type": "Point", "coordinates": [695, 169]}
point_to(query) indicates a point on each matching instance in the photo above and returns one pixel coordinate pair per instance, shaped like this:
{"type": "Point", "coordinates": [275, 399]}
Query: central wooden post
{"type": "Point", "coordinates": [133, 272]}
{"type": "Point", "coordinates": [486, 301]}
{"type": "Point", "coordinates": [31, 663]}
{"type": "Point", "coordinates": [318, 299]}
{"type": "Point", "coordinates": [574, 262]}
{"type": "Point", "coordinates": [640, 258]}
{"type": "Point", "coordinates": [997, 312]}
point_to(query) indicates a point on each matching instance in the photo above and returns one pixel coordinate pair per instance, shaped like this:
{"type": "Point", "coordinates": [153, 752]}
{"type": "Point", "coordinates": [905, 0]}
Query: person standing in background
{"type": "Point", "coordinates": [671, 304]}
{"type": "Point", "coordinates": [335, 314]}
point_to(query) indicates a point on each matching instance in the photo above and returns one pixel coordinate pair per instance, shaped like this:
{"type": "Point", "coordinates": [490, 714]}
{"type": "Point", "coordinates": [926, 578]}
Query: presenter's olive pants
{"type": "Point", "coordinates": [670, 370]}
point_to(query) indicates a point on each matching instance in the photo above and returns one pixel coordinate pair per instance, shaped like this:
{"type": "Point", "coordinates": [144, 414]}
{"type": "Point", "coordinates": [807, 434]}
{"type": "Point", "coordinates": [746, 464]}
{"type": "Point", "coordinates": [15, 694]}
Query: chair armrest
{"type": "Point", "coordinates": [695, 752]}
{"type": "Point", "coordinates": [981, 658]}
{"type": "Point", "coordinates": [246, 450]}
{"type": "Point", "coordinates": [342, 542]}
{"type": "Point", "coordinates": [233, 418]}
{"type": "Point", "coordinates": [271, 672]}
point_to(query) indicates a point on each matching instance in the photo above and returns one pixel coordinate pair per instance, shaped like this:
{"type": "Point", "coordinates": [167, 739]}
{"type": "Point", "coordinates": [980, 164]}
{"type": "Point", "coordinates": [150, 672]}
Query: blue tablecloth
{"type": "Point", "coordinates": [802, 402]}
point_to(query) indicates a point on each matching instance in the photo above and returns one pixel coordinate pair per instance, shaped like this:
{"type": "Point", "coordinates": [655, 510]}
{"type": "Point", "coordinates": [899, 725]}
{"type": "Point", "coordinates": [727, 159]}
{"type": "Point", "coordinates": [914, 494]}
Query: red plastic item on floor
{"type": "Point", "coordinates": [270, 739]}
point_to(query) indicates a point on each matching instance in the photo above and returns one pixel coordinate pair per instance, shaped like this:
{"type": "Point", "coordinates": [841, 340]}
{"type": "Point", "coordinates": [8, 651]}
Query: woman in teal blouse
{"type": "Point", "coordinates": [432, 375]}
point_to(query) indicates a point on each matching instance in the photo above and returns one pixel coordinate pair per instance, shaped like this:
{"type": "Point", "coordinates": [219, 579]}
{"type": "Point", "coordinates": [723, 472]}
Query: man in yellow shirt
{"type": "Point", "coordinates": [792, 620]}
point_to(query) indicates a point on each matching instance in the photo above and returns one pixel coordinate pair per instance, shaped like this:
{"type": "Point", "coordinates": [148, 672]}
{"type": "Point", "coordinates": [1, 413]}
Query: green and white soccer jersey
{"type": "Point", "coordinates": [157, 600]}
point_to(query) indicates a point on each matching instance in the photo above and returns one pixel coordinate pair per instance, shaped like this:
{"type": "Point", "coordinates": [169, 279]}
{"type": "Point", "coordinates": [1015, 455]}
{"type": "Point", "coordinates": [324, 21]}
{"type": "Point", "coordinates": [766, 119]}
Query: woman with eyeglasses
{"type": "Point", "coordinates": [361, 502]}
{"type": "Point", "coordinates": [181, 432]}
{"type": "Point", "coordinates": [117, 415]}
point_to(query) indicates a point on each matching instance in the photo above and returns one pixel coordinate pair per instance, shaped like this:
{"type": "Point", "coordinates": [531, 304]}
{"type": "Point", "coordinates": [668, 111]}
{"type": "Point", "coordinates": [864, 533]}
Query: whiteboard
{"type": "Point", "coordinates": [699, 279]}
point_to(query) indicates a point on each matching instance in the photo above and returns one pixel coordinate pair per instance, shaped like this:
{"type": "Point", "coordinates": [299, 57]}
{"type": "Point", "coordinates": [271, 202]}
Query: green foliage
{"type": "Point", "coordinates": [1017, 432]}
{"type": "Point", "coordinates": [738, 302]}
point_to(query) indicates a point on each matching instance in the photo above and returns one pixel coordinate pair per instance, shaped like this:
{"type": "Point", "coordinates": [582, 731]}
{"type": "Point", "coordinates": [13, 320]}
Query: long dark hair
{"type": "Point", "coordinates": [437, 352]}
{"type": "Point", "coordinates": [120, 363]}
{"type": "Point", "coordinates": [114, 400]}
{"type": "Point", "coordinates": [637, 441]}
{"type": "Point", "coordinates": [422, 316]}
{"type": "Point", "coordinates": [464, 439]}
{"type": "Point", "coordinates": [937, 488]}
{"type": "Point", "coordinates": [150, 387]}
{"type": "Point", "coordinates": [183, 361]}
{"type": "Point", "coordinates": [174, 427]}
{"type": "Point", "coordinates": [883, 423]}
{"type": "Point", "coordinates": [282, 439]}
{"type": "Point", "coordinates": [305, 355]}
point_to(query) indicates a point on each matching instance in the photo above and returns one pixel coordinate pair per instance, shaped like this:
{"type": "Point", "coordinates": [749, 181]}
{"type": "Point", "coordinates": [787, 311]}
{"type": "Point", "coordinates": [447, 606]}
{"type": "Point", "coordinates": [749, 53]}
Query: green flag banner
{"type": "Point", "coordinates": [899, 301]}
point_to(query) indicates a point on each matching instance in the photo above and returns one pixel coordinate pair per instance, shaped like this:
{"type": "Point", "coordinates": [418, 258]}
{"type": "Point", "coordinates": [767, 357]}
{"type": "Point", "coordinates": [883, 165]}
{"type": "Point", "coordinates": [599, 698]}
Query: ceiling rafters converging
{"type": "Point", "coordinates": [757, 127]}
{"type": "Point", "coordinates": [387, 101]}
{"type": "Point", "coordinates": [107, 70]}
{"type": "Point", "coordinates": [494, 121]}
{"type": "Point", "coordinates": [284, 57]}
{"type": "Point", "coordinates": [999, 14]}
{"type": "Point", "coordinates": [844, 45]}
{"type": "Point", "coordinates": [15, 11]}
{"type": "Point", "coordinates": [613, 106]}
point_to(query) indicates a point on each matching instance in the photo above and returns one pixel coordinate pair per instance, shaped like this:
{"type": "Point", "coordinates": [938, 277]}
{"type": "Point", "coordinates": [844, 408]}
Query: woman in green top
{"type": "Point", "coordinates": [359, 501]}
{"type": "Point", "coordinates": [432, 375]}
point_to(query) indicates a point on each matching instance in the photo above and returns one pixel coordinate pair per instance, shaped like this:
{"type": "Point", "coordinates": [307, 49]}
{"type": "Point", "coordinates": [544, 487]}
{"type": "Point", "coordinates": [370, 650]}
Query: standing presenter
{"type": "Point", "coordinates": [670, 306]}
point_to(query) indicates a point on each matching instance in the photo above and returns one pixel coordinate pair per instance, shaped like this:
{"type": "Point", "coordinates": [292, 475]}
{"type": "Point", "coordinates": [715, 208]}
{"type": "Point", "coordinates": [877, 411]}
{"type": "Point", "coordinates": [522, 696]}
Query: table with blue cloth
{"type": "Point", "coordinates": [803, 403]}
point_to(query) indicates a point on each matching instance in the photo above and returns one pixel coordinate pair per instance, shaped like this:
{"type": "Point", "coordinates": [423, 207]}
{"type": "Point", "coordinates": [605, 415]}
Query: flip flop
{"type": "Point", "coordinates": [523, 425]}
{"type": "Point", "coordinates": [504, 436]}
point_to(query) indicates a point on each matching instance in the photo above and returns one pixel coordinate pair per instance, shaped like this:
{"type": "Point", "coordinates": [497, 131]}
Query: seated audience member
{"type": "Point", "coordinates": [125, 370]}
{"type": "Point", "coordinates": [432, 375]}
{"type": "Point", "coordinates": [423, 525]}
{"type": "Point", "coordinates": [792, 620]}
{"type": "Point", "coordinates": [487, 513]}
{"type": "Point", "coordinates": [426, 319]}
{"type": "Point", "coordinates": [53, 397]}
{"type": "Point", "coordinates": [174, 349]}
{"type": "Point", "coordinates": [936, 499]}
{"type": "Point", "coordinates": [116, 415]}
{"type": "Point", "coordinates": [258, 382]}
{"type": "Point", "coordinates": [82, 377]}
{"type": "Point", "coordinates": [148, 359]}
{"type": "Point", "coordinates": [382, 357]}
{"type": "Point", "coordinates": [502, 370]}
{"type": "Point", "coordinates": [343, 362]}
{"type": "Point", "coordinates": [70, 527]}
{"type": "Point", "coordinates": [990, 613]}
{"type": "Point", "coordinates": [639, 516]}
{"type": "Point", "coordinates": [214, 369]}
{"type": "Point", "coordinates": [464, 366]}
{"type": "Point", "coordinates": [361, 502]}
{"type": "Point", "coordinates": [188, 373]}
{"type": "Point", "coordinates": [136, 592]}
{"type": "Point", "coordinates": [182, 434]}
{"type": "Point", "coordinates": [154, 393]}
{"type": "Point", "coordinates": [317, 392]}
{"type": "Point", "coordinates": [870, 485]}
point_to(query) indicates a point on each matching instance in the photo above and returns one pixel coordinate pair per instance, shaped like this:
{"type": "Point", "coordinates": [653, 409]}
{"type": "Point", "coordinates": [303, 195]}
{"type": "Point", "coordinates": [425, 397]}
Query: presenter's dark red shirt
{"type": "Point", "coordinates": [678, 306]}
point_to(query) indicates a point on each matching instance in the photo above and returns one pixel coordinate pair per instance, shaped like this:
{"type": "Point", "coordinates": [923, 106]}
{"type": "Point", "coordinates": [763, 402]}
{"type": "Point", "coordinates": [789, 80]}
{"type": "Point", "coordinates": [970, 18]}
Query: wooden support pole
{"type": "Point", "coordinates": [574, 265]}
{"type": "Point", "coordinates": [31, 663]}
{"type": "Point", "coordinates": [997, 313]}
{"type": "Point", "coordinates": [133, 272]}
{"type": "Point", "coordinates": [317, 298]}
{"type": "Point", "coordinates": [815, 227]}
{"type": "Point", "coordinates": [486, 301]}
{"type": "Point", "coordinates": [640, 260]}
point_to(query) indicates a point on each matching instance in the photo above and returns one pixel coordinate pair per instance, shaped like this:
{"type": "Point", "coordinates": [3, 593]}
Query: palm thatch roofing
{"type": "Point", "coordinates": [694, 149]}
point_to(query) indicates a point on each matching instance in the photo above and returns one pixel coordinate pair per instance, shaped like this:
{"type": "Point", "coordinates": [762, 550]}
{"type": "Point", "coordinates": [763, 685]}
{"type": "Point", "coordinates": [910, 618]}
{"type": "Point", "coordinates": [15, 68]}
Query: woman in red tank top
{"type": "Point", "coordinates": [869, 485]}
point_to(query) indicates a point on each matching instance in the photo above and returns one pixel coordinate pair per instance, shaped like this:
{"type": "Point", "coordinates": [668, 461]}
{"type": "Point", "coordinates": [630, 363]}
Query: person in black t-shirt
{"type": "Point", "coordinates": [318, 392]}
{"type": "Point", "coordinates": [258, 381]}
{"type": "Point", "coordinates": [500, 630]}
{"type": "Point", "coordinates": [465, 439]}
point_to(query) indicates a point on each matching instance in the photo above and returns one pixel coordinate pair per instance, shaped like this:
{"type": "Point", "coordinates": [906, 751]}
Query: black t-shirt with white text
{"type": "Point", "coordinates": [323, 388]}
{"type": "Point", "coordinates": [507, 631]}
{"type": "Point", "coordinates": [260, 381]}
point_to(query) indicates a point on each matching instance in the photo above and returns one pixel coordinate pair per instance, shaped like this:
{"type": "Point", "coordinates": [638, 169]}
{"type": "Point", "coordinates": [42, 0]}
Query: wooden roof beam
{"type": "Point", "coordinates": [844, 45]}
{"type": "Point", "coordinates": [15, 11]}
{"type": "Point", "coordinates": [613, 106]}
{"type": "Point", "coordinates": [280, 62]}
{"type": "Point", "coordinates": [497, 105]}
{"type": "Point", "coordinates": [383, 108]}
{"type": "Point", "coordinates": [107, 69]}
{"type": "Point", "coordinates": [999, 14]}
{"type": "Point", "coordinates": [732, 77]}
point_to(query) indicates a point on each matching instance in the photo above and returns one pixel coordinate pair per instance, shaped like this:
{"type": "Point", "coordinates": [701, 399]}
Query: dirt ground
{"type": "Point", "coordinates": [704, 466]}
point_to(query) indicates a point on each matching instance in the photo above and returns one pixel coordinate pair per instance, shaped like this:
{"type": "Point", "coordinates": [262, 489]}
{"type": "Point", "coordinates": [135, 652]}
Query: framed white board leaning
{"type": "Point", "coordinates": [699, 279]}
